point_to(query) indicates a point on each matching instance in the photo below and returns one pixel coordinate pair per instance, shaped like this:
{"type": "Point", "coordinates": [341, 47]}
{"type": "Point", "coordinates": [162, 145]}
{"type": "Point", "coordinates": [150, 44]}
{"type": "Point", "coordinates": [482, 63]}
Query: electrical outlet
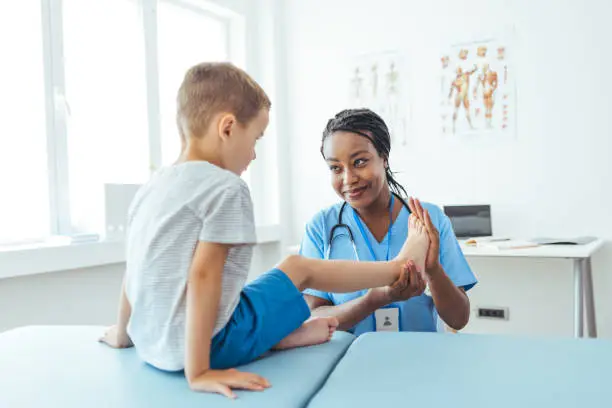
{"type": "Point", "coordinates": [501, 313]}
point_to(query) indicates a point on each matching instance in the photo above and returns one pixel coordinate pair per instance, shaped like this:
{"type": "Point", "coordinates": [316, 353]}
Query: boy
{"type": "Point", "coordinates": [189, 244]}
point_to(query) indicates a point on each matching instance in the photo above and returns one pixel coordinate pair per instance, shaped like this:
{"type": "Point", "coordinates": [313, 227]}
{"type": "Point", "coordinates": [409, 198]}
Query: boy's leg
{"type": "Point", "coordinates": [338, 276]}
{"type": "Point", "coordinates": [272, 312]}
{"type": "Point", "coordinates": [270, 309]}
{"type": "Point", "coordinates": [350, 276]}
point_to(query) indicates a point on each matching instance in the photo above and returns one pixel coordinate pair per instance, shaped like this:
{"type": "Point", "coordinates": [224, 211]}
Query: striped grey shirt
{"type": "Point", "coordinates": [179, 206]}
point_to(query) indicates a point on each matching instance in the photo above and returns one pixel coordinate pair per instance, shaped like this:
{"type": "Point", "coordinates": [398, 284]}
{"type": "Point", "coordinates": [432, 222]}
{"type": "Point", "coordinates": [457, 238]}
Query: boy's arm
{"type": "Point", "coordinates": [203, 295]}
{"type": "Point", "coordinates": [117, 336]}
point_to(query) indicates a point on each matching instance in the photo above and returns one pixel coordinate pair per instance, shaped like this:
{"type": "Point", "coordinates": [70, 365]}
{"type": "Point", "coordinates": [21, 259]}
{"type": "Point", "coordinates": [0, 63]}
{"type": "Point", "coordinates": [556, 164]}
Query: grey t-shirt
{"type": "Point", "coordinates": [179, 206]}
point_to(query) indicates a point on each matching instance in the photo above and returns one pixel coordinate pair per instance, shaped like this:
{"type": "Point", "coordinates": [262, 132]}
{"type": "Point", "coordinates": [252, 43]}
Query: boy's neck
{"type": "Point", "coordinates": [197, 151]}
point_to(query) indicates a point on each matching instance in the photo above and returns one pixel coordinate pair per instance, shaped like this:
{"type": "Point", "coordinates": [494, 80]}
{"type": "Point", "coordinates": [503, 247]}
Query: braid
{"type": "Point", "coordinates": [368, 124]}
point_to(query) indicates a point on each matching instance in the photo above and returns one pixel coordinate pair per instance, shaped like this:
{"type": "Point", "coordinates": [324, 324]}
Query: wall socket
{"type": "Point", "coordinates": [500, 313]}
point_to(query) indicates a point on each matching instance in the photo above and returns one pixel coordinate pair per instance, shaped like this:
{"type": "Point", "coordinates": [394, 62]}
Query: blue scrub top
{"type": "Point", "coordinates": [417, 313]}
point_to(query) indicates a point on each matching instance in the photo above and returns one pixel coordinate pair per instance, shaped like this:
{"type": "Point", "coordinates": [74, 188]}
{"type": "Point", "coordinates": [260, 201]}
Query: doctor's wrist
{"type": "Point", "coordinates": [377, 298]}
{"type": "Point", "coordinates": [435, 272]}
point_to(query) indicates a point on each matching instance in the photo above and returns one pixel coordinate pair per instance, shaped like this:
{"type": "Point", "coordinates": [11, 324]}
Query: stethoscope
{"type": "Point", "coordinates": [340, 224]}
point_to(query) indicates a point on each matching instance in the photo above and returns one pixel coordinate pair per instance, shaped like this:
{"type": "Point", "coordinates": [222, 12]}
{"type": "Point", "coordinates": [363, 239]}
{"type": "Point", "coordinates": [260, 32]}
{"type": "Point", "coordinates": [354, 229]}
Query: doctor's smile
{"type": "Point", "coordinates": [355, 193]}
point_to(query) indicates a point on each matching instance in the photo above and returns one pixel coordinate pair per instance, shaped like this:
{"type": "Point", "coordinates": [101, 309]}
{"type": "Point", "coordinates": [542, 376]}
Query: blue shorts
{"type": "Point", "coordinates": [270, 308]}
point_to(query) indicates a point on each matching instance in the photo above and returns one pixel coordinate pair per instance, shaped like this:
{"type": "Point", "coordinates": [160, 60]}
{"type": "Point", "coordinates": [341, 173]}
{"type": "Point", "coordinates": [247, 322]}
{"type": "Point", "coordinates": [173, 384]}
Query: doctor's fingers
{"type": "Point", "coordinates": [433, 232]}
{"type": "Point", "coordinates": [404, 279]}
{"type": "Point", "coordinates": [417, 284]}
{"type": "Point", "coordinates": [412, 278]}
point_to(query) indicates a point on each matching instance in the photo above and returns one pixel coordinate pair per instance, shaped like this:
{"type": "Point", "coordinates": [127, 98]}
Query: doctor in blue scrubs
{"type": "Point", "coordinates": [371, 224]}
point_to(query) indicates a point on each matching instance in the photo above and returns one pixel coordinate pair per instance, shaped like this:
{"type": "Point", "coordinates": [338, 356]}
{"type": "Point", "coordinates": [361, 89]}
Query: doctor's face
{"type": "Point", "coordinates": [357, 171]}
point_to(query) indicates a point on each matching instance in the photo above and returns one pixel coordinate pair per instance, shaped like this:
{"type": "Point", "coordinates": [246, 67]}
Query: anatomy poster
{"type": "Point", "coordinates": [379, 82]}
{"type": "Point", "coordinates": [477, 91]}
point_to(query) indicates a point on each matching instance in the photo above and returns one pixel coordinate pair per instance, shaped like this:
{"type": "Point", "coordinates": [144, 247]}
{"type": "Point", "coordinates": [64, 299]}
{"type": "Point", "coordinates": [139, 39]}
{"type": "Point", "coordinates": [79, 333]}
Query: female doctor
{"type": "Point", "coordinates": [371, 224]}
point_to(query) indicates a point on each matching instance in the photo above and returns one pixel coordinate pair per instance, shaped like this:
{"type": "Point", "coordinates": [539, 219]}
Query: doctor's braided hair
{"type": "Point", "coordinates": [368, 124]}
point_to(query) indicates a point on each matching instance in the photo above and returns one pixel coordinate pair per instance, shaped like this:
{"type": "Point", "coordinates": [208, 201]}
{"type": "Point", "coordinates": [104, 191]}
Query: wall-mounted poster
{"type": "Point", "coordinates": [477, 90]}
{"type": "Point", "coordinates": [378, 81]}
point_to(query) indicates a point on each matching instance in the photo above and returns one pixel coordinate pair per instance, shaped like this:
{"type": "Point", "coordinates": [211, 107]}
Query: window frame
{"type": "Point", "coordinates": [57, 105]}
{"type": "Point", "coordinates": [59, 252]}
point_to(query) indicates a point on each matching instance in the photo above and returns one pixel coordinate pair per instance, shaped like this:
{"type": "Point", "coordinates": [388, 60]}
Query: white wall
{"type": "Point", "coordinates": [555, 178]}
{"type": "Point", "coordinates": [85, 296]}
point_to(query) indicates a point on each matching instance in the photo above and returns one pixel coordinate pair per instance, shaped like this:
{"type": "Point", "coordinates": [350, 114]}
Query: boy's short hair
{"type": "Point", "coordinates": [214, 87]}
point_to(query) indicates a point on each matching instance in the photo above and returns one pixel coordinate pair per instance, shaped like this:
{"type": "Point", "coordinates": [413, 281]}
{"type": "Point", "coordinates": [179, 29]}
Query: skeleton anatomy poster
{"type": "Point", "coordinates": [379, 82]}
{"type": "Point", "coordinates": [477, 92]}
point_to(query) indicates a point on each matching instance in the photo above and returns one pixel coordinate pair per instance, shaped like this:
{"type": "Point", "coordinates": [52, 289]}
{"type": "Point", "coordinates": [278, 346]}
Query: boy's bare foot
{"type": "Point", "coordinates": [315, 330]}
{"type": "Point", "coordinates": [416, 245]}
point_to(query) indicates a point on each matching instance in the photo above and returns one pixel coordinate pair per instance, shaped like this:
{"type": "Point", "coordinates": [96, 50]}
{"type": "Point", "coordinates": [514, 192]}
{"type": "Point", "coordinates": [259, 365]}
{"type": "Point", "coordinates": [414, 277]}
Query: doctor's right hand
{"type": "Point", "coordinates": [409, 284]}
{"type": "Point", "coordinates": [223, 381]}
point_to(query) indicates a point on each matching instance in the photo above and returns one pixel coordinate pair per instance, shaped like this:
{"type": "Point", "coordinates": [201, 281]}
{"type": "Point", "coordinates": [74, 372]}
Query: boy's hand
{"type": "Point", "coordinates": [222, 382]}
{"type": "Point", "coordinates": [116, 338]}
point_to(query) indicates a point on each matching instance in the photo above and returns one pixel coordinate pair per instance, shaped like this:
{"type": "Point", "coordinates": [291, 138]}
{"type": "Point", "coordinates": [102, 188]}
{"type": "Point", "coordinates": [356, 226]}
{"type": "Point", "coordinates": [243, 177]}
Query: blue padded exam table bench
{"type": "Point", "coordinates": [474, 371]}
{"type": "Point", "coordinates": [65, 367]}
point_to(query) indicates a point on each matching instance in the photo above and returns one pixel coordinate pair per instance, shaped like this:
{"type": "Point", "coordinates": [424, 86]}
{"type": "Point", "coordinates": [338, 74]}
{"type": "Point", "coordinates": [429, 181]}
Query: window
{"type": "Point", "coordinates": [187, 36]}
{"type": "Point", "coordinates": [88, 99]}
{"type": "Point", "coordinates": [107, 132]}
{"type": "Point", "coordinates": [24, 202]}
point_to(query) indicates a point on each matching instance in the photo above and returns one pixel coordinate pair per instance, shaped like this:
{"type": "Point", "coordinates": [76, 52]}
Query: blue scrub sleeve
{"type": "Point", "coordinates": [313, 246]}
{"type": "Point", "coordinates": [451, 257]}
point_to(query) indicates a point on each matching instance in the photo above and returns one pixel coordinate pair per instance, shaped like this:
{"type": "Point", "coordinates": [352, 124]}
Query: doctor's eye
{"type": "Point", "coordinates": [360, 162]}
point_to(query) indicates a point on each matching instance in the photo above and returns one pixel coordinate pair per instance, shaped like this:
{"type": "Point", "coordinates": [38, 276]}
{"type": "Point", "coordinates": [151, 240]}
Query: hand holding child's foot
{"type": "Point", "coordinates": [409, 284]}
{"type": "Point", "coordinates": [417, 244]}
{"type": "Point", "coordinates": [315, 330]}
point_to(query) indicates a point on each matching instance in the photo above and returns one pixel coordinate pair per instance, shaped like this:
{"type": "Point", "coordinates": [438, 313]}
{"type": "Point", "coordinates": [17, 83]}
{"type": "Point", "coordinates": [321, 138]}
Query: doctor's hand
{"type": "Point", "coordinates": [409, 284]}
{"type": "Point", "coordinates": [432, 263]}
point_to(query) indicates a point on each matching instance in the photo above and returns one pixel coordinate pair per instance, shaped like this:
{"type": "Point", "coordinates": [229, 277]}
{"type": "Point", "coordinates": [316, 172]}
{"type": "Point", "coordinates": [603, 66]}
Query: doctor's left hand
{"type": "Point", "coordinates": [409, 284]}
{"type": "Point", "coordinates": [432, 262]}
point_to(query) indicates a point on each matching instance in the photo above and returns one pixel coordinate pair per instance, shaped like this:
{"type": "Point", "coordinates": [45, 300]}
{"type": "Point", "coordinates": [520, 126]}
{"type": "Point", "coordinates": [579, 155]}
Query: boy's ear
{"type": "Point", "coordinates": [226, 125]}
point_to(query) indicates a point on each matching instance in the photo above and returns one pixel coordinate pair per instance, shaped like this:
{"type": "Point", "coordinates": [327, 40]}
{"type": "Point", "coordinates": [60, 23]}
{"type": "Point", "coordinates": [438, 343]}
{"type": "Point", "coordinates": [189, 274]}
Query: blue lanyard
{"type": "Point", "coordinates": [365, 236]}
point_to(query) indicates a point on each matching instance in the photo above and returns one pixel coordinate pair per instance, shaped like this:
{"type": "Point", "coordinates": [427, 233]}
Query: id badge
{"type": "Point", "coordinates": [387, 319]}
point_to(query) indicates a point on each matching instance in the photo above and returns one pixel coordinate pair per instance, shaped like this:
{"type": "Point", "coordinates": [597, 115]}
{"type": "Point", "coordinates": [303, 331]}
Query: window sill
{"type": "Point", "coordinates": [44, 258]}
